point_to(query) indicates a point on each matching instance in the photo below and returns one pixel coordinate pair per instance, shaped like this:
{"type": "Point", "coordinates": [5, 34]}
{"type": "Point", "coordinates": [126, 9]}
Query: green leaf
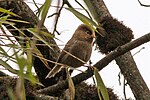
{"type": "Point", "coordinates": [33, 79]}
{"type": "Point", "coordinates": [8, 67]}
{"type": "Point", "coordinates": [82, 17]}
{"type": "Point", "coordinates": [44, 10]}
{"type": "Point", "coordinates": [102, 90]}
{"type": "Point", "coordinates": [18, 30]}
{"type": "Point", "coordinates": [11, 94]}
{"type": "Point", "coordinates": [4, 18]}
{"type": "Point", "coordinates": [8, 12]}
{"type": "Point", "coordinates": [95, 16]}
{"type": "Point", "coordinates": [40, 56]}
{"type": "Point", "coordinates": [22, 63]}
{"type": "Point", "coordinates": [11, 58]}
{"type": "Point", "coordinates": [29, 75]}
{"type": "Point", "coordinates": [20, 88]}
{"type": "Point", "coordinates": [91, 9]}
{"type": "Point", "coordinates": [29, 57]}
{"type": "Point", "coordinates": [3, 51]}
{"type": "Point", "coordinates": [35, 32]}
{"type": "Point", "coordinates": [20, 21]}
{"type": "Point", "coordinates": [6, 22]}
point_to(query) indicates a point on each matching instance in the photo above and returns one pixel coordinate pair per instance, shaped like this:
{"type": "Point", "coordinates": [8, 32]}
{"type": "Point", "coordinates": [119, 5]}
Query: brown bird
{"type": "Point", "coordinates": [77, 51]}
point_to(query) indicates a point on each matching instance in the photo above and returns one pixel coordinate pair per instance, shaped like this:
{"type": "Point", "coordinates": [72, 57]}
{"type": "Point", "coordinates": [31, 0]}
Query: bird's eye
{"type": "Point", "coordinates": [88, 32]}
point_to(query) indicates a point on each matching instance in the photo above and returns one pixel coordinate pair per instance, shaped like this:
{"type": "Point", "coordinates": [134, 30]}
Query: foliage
{"type": "Point", "coordinates": [22, 54]}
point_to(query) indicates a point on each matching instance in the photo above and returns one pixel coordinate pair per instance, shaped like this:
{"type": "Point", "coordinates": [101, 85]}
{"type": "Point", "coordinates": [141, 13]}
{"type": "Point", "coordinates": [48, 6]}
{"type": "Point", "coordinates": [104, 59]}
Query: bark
{"type": "Point", "coordinates": [125, 62]}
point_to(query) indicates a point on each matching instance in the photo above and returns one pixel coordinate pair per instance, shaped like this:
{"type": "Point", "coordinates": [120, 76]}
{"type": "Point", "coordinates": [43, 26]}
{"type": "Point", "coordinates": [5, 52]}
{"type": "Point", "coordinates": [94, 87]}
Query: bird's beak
{"type": "Point", "coordinates": [93, 35]}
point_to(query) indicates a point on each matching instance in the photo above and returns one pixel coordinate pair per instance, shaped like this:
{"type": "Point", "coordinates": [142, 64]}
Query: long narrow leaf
{"type": "Point", "coordinates": [40, 56]}
{"type": "Point", "coordinates": [20, 21]}
{"type": "Point", "coordinates": [29, 75]}
{"type": "Point", "coordinates": [11, 94]}
{"type": "Point", "coordinates": [4, 18]}
{"type": "Point", "coordinates": [91, 9]}
{"type": "Point", "coordinates": [102, 90]}
{"type": "Point", "coordinates": [6, 22]}
{"type": "Point", "coordinates": [11, 58]}
{"type": "Point", "coordinates": [33, 80]}
{"type": "Point", "coordinates": [71, 85]}
{"type": "Point", "coordinates": [8, 67]}
{"type": "Point", "coordinates": [82, 17]}
{"type": "Point", "coordinates": [3, 51]}
{"type": "Point", "coordinates": [35, 33]}
{"type": "Point", "coordinates": [8, 12]}
{"type": "Point", "coordinates": [44, 10]}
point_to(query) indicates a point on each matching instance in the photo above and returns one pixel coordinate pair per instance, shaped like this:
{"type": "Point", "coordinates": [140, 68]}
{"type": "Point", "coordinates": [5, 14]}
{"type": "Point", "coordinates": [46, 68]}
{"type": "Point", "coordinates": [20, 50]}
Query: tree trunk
{"type": "Point", "coordinates": [125, 62]}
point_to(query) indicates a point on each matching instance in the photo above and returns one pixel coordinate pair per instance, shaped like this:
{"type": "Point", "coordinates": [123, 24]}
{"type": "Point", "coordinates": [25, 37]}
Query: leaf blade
{"type": "Point", "coordinates": [82, 17]}
{"type": "Point", "coordinates": [102, 90]}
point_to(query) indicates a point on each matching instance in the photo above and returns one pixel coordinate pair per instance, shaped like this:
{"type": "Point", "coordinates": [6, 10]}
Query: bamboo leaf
{"type": "Point", "coordinates": [71, 85]}
{"type": "Point", "coordinates": [8, 67]}
{"type": "Point", "coordinates": [33, 79]}
{"type": "Point", "coordinates": [40, 56]}
{"type": "Point", "coordinates": [20, 21]}
{"type": "Point", "coordinates": [6, 22]}
{"type": "Point", "coordinates": [3, 51]}
{"type": "Point", "coordinates": [82, 17]}
{"type": "Point", "coordinates": [8, 12]}
{"type": "Point", "coordinates": [102, 90]}
{"type": "Point", "coordinates": [29, 57]}
{"type": "Point", "coordinates": [11, 94]}
{"type": "Point", "coordinates": [20, 88]}
{"type": "Point", "coordinates": [29, 75]}
{"type": "Point", "coordinates": [35, 32]}
{"type": "Point", "coordinates": [91, 9]}
{"type": "Point", "coordinates": [44, 10]}
{"type": "Point", "coordinates": [11, 58]}
{"type": "Point", "coordinates": [4, 18]}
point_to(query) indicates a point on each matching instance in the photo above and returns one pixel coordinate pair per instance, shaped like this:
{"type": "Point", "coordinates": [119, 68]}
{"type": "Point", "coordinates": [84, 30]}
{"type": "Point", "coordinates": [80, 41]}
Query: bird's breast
{"type": "Point", "coordinates": [80, 50]}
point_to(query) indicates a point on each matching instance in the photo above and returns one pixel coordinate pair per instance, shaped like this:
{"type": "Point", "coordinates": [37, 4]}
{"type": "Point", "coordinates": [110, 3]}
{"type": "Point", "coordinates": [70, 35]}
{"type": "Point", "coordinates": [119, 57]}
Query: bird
{"type": "Point", "coordinates": [77, 50]}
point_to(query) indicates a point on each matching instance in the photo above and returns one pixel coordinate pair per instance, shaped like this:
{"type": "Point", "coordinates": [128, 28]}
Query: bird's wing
{"type": "Point", "coordinates": [67, 48]}
{"type": "Point", "coordinates": [60, 59]}
{"type": "Point", "coordinates": [80, 49]}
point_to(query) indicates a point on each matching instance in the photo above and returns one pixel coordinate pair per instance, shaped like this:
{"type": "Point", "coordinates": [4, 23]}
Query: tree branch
{"type": "Point", "coordinates": [100, 65]}
{"type": "Point", "coordinates": [143, 4]}
{"type": "Point", "coordinates": [125, 61]}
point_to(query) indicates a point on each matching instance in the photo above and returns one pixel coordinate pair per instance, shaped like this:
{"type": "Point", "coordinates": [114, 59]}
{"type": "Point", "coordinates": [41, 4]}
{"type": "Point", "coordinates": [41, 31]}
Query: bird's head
{"type": "Point", "coordinates": [84, 33]}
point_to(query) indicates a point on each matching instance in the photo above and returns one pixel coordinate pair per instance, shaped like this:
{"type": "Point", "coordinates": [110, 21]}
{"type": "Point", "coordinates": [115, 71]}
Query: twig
{"type": "Point", "coordinates": [67, 3]}
{"type": "Point", "coordinates": [143, 4]}
{"type": "Point", "coordinates": [139, 51]}
{"type": "Point", "coordinates": [57, 17]}
{"type": "Point", "coordinates": [36, 5]}
{"type": "Point", "coordinates": [84, 9]}
{"type": "Point", "coordinates": [124, 89]}
{"type": "Point", "coordinates": [119, 76]}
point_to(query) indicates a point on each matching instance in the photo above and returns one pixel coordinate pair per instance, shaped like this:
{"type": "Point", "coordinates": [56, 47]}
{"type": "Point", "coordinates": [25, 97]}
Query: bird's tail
{"type": "Point", "coordinates": [54, 71]}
